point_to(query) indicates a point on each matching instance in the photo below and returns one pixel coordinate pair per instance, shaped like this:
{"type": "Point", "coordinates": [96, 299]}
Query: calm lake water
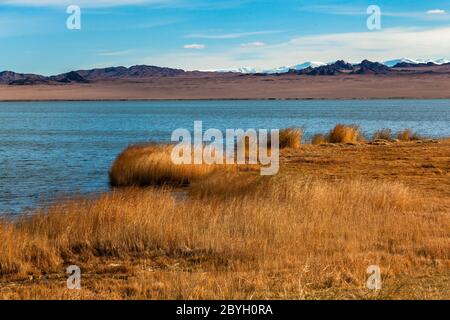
{"type": "Point", "coordinates": [51, 150]}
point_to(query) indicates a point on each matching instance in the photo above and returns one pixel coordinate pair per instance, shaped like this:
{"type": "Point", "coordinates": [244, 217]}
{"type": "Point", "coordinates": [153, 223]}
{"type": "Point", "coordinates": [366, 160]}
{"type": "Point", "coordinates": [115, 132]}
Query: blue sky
{"type": "Point", "coordinates": [215, 34]}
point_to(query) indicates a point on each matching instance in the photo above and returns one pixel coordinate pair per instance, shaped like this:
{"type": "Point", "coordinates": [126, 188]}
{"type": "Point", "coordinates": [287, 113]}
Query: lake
{"type": "Point", "coordinates": [51, 150]}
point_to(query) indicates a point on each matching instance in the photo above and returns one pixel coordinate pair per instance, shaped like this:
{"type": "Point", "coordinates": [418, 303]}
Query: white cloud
{"type": "Point", "coordinates": [231, 35]}
{"type": "Point", "coordinates": [253, 44]}
{"type": "Point", "coordinates": [347, 10]}
{"type": "Point", "coordinates": [195, 46]}
{"type": "Point", "coordinates": [396, 42]}
{"type": "Point", "coordinates": [353, 46]}
{"type": "Point", "coordinates": [436, 11]}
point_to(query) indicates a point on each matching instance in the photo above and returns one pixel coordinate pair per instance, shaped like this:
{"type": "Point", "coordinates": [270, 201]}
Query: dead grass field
{"type": "Point", "coordinates": [308, 233]}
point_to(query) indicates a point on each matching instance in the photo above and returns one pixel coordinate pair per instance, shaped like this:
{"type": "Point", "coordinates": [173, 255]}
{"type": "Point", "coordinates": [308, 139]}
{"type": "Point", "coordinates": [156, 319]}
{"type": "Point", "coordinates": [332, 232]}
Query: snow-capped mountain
{"type": "Point", "coordinates": [441, 61]}
{"type": "Point", "coordinates": [312, 64]}
{"type": "Point", "coordinates": [391, 63]}
{"type": "Point", "coordinates": [309, 64]}
{"type": "Point", "coordinates": [316, 64]}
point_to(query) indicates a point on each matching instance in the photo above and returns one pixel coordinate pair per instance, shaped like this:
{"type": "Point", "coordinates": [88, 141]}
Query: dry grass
{"type": "Point", "coordinates": [383, 134]}
{"type": "Point", "coordinates": [339, 134]}
{"type": "Point", "coordinates": [344, 134]}
{"type": "Point", "coordinates": [151, 164]}
{"type": "Point", "coordinates": [308, 233]}
{"type": "Point", "coordinates": [291, 138]}
{"type": "Point", "coordinates": [408, 135]}
{"type": "Point", "coordinates": [288, 236]}
{"type": "Point", "coordinates": [324, 234]}
{"type": "Point", "coordinates": [319, 139]}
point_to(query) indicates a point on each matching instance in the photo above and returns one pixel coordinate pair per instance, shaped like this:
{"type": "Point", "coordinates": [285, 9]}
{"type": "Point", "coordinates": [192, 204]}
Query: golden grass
{"type": "Point", "coordinates": [151, 164]}
{"type": "Point", "coordinates": [407, 135]}
{"type": "Point", "coordinates": [308, 233]}
{"type": "Point", "coordinates": [304, 237]}
{"type": "Point", "coordinates": [339, 134]}
{"type": "Point", "coordinates": [344, 134]}
{"type": "Point", "coordinates": [383, 134]}
{"type": "Point", "coordinates": [291, 138]}
{"type": "Point", "coordinates": [319, 139]}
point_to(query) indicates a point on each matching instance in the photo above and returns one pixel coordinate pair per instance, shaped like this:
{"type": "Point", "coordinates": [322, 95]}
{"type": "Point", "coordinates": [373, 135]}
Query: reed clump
{"type": "Point", "coordinates": [151, 164]}
{"type": "Point", "coordinates": [341, 133]}
{"type": "Point", "coordinates": [291, 138]}
{"type": "Point", "coordinates": [319, 139]}
{"type": "Point", "coordinates": [344, 134]}
{"type": "Point", "coordinates": [408, 135]}
{"type": "Point", "coordinates": [383, 134]}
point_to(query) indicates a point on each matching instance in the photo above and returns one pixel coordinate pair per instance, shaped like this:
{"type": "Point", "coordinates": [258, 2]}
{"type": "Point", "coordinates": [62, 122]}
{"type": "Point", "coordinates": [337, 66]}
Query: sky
{"type": "Point", "coordinates": [216, 34]}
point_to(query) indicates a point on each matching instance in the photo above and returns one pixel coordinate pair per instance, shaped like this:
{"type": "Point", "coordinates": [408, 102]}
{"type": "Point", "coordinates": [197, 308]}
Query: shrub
{"type": "Point", "coordinates": [319, 139]}
{"type": "Point", "coordinates": [291, 138]}
{"type": "Point", "coordinates": [145, 165]}
{"type": "Point", "coordinates": [344, 134]}
{"type": "Point", "coordinates": [383, 134]}
{"type": "Point", "coordinates": [407, 135]}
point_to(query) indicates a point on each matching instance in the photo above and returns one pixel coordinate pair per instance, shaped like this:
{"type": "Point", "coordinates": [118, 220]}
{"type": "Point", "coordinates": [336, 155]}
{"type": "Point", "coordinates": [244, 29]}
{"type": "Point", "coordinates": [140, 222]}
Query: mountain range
{"type": "Point", "coordinates": [312, 68]}
{"type": "Point", "coordinates": [314, 64]}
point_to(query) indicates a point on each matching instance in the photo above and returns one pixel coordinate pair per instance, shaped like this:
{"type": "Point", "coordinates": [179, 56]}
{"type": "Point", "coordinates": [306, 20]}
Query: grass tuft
{"type": "Point", "coordinates": [408, 135]}
{"type": "Point", "coordinates": [151, 164]}
{"type": "Point", "coordinates": [319, 139]}
{"type": "Point", "coordinates": [291, 138]}
{"type": "Point", "coordinates": [344, 134]}
{"type": "Point", "coordinates": [383, 134]}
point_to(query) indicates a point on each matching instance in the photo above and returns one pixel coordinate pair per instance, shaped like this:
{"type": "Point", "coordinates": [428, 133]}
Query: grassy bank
{"type": "Point", "coordinates": [308, 233]}
{"type": "Point", "coordinates": [256, 243]}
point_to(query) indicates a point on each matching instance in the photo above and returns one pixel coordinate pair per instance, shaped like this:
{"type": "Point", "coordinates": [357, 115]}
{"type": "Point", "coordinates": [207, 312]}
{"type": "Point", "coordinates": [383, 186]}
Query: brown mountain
{"type": "Point", "coordinates": [144, 71]}
{"type": "Point", "coordinates": [85, 76]}
{"type": "Point", "coordinates": [333, 69]}
{"type": "Point", "coordinates": [414, 65]}
{"type": "Point", "coordinates": [369, 67]}
{"type": "Point", "coordinates": [138, 71]}
{"type": "Point", "coordinates": [70, 77]}
{"type": "Point", "coordinates": [10, 76]}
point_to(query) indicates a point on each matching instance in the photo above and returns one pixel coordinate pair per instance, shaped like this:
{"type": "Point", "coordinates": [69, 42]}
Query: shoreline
{"type": "Point", "coordinates": [306, 146]}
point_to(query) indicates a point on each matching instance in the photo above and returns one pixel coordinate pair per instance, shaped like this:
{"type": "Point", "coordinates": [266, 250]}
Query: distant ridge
{"type": "Point", "coordinates": [414, 62]}
{"type": "Point", "coordinates": [138, 71]}
{"type": "Point", "coordinates": [20, 78]}
{"type": "Point", "coordinates": [369, 67]}
{"type": "Point", "coordinates": [342, 67]}
{"type": "Point", "coordinates": [315, 64]}
{"type": "Point", "coordinates": [85, 76]}
{"type": "Point", "coordinates": [146, 71]}
{"type": "Point", "coordinates": [69, 77]}
{"type": "Point", "coordinates": [284, 69]}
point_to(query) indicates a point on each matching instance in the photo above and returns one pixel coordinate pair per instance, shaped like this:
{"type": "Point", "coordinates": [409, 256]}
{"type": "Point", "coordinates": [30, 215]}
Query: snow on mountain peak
{"type": "Point", "coordinates": [284, 69]}
{"type": "Point", "coordinates": [391, 63]}
{"type": "Point", "coordinates": [315, 64]}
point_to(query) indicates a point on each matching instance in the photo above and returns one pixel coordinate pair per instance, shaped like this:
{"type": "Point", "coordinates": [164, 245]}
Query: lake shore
{"type": "Point", "coordinates": [308, 233]}
{"type": "Point", "coordinates": [242, 87]}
